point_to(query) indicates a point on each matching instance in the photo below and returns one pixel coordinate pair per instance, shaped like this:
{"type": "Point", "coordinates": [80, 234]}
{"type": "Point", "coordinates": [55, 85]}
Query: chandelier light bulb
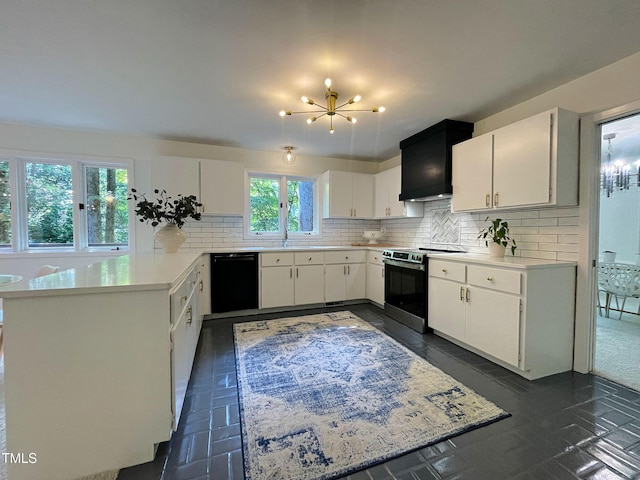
{"type": "Point", "coordinates": [327, 82]}
{"type": "Point", "coordinates": [331, 130]}
{"type": "Point", "coordinates": [282, 113]}
{"type": "Point", "coordinates": [381, 109]}
{"type": "Point", "coordinates": [357, 98]}
{"type": "Point", "coordinates": [288, 157]}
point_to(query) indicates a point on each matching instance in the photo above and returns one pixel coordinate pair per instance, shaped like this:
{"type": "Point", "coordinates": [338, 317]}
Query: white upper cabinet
{"type": "Point", "coordinates": [387, 189]}
{"type": "Point", "coordinates": [176, 175]}
{"type": "Point", "coordinates": [533, 162]}
{"type": "Point", "coordinates": [347, 195]}
{"type": "Point", "coordinates": [472, 191]}
{"type": "Point", "coordinates": [221, 187]}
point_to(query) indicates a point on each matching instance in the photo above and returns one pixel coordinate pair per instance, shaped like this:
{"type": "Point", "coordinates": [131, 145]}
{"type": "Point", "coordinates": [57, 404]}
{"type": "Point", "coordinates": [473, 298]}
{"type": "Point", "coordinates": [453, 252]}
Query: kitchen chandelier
{"type": "Point", "coordinates": [616, 176]}
{"type": "Point", "coordinates": [331, 109]}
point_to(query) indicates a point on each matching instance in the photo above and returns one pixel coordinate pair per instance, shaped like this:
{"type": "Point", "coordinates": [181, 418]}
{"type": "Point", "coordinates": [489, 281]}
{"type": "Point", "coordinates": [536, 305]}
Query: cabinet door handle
{"type": "Point", "coordinates": [201, 286]}
{"type": "Point", "coordinates": [495, 200]}
{"type": "Point", "coordinates": [490, 279]}
{"type": "Point", "coordinates": [189, 315]}
{"type": "Point", "coordinates": [487, 199]}
{"type": "Point", "coordinates": [297, 272]}
{"type": "Point", "coordinates": [468, 295]}
{"type": "Point", "coordinates": [291, 273]}
{"type": "Point", "coordinates": [344, 269]}
{"type": "Point", "coordinates": [348, 269]}
{"type": "Point", "coordinates": [354, 212]}
{"type": "Point", "coordinates": [382, 273]}
{"type": "Point", "coordinates": [462, 294]}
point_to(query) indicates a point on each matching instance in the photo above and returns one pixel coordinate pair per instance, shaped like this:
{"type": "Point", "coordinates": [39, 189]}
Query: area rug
{"type": "Point", "coordinates": [325, 395]}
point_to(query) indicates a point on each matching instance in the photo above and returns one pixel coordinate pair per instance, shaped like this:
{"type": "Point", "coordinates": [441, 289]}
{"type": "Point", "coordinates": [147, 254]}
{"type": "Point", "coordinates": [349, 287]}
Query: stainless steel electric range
{"type": "Point", "coordinates": [405, 285]}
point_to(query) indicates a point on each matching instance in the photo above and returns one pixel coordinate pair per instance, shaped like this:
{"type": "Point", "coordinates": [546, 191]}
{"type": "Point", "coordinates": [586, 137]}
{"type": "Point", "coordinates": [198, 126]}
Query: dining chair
{"type": "Point", "coordinates": [618, 280]}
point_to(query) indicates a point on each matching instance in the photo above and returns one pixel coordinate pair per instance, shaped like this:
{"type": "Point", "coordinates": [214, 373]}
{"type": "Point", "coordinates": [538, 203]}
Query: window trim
{"type": "Point", "coordinates": [17, 187]}
{"type": "Point", "coordinates": [282, 218]}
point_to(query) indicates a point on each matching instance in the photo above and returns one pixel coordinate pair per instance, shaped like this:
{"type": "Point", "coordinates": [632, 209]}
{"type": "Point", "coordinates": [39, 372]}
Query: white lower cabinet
{"type": "Point", "coordinates": [345, 275]}
{"type": "Point", "coordinates": [520, 316]}
{"type": "Point", "coordinates": [375, 277]}
{"type": "Point", "coordinates": [309, 278]}
{"type": "Point", "coordinates": [291, 279]}
{"type": "Point", "coordinates": [493, 324]}
{"type": "Point", "coordinates": [276, 279]}
{"type": "Point", "coordinates": [186, 322]}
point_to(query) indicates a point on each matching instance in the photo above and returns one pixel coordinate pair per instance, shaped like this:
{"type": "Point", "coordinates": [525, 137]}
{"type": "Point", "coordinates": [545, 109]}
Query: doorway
{"type": "Point", "coordinates": [617, 316]}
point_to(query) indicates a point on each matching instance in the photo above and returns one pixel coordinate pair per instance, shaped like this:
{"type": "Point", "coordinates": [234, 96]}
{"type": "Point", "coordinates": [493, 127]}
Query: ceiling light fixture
{"type": "Point", "coordinates": [288, 157]}
{"type": "Point", "coordinates": [331, 109]}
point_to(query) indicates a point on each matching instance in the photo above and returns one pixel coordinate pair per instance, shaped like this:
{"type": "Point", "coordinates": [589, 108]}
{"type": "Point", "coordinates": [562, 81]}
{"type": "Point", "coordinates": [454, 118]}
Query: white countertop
{"type": "Point", "coordinates": [157, 270]}
{"type": "Point", "coordinates": [506, 261]}
{"type": "Point", "coordinates": [144, 271]}
{"type": "Point", "coordinates": [148, 271]}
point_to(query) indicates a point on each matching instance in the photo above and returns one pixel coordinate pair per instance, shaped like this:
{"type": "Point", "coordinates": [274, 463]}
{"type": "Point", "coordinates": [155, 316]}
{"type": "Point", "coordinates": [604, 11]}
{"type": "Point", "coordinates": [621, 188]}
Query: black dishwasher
{"type": "Point", "coordinates": [234, 281]}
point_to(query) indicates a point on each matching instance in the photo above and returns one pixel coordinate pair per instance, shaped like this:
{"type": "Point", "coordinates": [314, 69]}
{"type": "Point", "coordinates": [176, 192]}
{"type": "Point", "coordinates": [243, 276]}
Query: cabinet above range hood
{"type": "Point", "coordinates": [426, 160]}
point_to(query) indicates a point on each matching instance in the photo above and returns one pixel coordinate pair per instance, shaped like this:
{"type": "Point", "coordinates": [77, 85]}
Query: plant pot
{"type": "Point", "coordinates": [170, 236]}
{"type": "Point", "coordinates": [496, 250]}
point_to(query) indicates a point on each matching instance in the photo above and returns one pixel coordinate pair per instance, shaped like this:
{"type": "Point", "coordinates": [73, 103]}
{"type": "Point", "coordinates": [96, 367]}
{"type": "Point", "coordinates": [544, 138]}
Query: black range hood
{"type": "Point", "coordinates": [426, 160]}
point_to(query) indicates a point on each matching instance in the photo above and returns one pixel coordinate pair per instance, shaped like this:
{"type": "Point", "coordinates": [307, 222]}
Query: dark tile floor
{"type": "Point", "coordinates": [568, 426]}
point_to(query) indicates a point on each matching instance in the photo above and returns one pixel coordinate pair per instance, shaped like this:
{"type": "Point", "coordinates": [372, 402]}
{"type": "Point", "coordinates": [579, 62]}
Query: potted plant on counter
{"type": "Point", "coordinates": [496, 237]}
{"type": "Point", "coordinates": [173, 212]}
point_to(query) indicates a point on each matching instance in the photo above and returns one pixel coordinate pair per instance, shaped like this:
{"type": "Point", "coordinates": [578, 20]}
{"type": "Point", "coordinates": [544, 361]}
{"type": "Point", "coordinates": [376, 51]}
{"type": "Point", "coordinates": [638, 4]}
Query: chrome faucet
{"type": "Point", "coordinates": [285, 240]}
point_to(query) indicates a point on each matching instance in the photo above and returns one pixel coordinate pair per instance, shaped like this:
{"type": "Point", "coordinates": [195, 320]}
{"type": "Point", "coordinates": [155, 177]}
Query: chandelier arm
{"type": "Point", "coordinates": [360, 110]}
{"type": "Point", "coordinates": [344, 116]}
{"type": "Point", "coordinates": [320, 116]}
{"type": "Point", "coordinates": [324, 112]}
{"type": "Point", "coordinates": [345, 103]}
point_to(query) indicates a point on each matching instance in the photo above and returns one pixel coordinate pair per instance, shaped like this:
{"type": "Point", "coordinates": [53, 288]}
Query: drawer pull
{"type": "Point", "coordinates": [309, 258]}
{"type": "Point", "coordinates": [277, 260]}
{"type": "Point", "coordinates": [490, 279]}
{"type": "Point", "coordinates": [444, 270]}
{"type": "Point", "coordinates": [183, 299]}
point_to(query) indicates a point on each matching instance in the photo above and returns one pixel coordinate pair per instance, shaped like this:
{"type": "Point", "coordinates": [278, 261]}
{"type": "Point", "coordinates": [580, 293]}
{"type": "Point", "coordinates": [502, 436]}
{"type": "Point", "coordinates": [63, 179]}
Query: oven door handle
{"type": "Point", "coordinates": [410, 266]}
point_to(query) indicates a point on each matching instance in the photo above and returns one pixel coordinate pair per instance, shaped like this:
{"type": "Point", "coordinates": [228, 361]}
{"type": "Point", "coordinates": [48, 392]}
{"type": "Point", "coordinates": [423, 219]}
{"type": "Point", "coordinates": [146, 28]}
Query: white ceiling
{"type": "Point", "coordinates": [219, 71]}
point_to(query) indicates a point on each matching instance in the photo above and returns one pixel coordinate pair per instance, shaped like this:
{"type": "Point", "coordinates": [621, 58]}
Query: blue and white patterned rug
{"type": "Point", "coordinates": [324, 395]}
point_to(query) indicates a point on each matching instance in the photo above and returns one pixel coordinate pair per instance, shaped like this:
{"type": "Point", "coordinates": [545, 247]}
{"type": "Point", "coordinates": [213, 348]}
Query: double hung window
{"type": "Point", "coordinates": [282, 206]}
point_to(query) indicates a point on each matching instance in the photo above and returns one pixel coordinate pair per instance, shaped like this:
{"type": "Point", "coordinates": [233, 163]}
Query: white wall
{"type": "Point", "coordinates": [143, 150]}
{"type": "Point", "coordinates": [619, 222]}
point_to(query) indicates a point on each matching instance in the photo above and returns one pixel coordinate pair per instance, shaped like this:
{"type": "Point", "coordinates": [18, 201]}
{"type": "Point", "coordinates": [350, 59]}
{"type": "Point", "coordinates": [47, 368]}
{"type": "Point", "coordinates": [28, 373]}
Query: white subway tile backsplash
{"type": "Point", "coordinates": [539, 233]}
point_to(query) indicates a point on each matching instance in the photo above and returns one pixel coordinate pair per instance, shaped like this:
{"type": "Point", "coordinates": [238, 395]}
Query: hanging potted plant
{"type": "Point", "coordinates": [173, 212]}
{"type": "Point", "coordinates": [496, 237]}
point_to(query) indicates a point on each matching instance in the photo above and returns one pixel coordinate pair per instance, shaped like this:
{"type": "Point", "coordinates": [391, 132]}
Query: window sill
{"type": "Point", "coordinates": [64, 253]}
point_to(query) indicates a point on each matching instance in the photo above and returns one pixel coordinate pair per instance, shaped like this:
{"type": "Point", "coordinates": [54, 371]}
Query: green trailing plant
{"type": "Point", "coordinates": [497, 232]}
{"type": "Point", "coordinates": [165, 209]}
